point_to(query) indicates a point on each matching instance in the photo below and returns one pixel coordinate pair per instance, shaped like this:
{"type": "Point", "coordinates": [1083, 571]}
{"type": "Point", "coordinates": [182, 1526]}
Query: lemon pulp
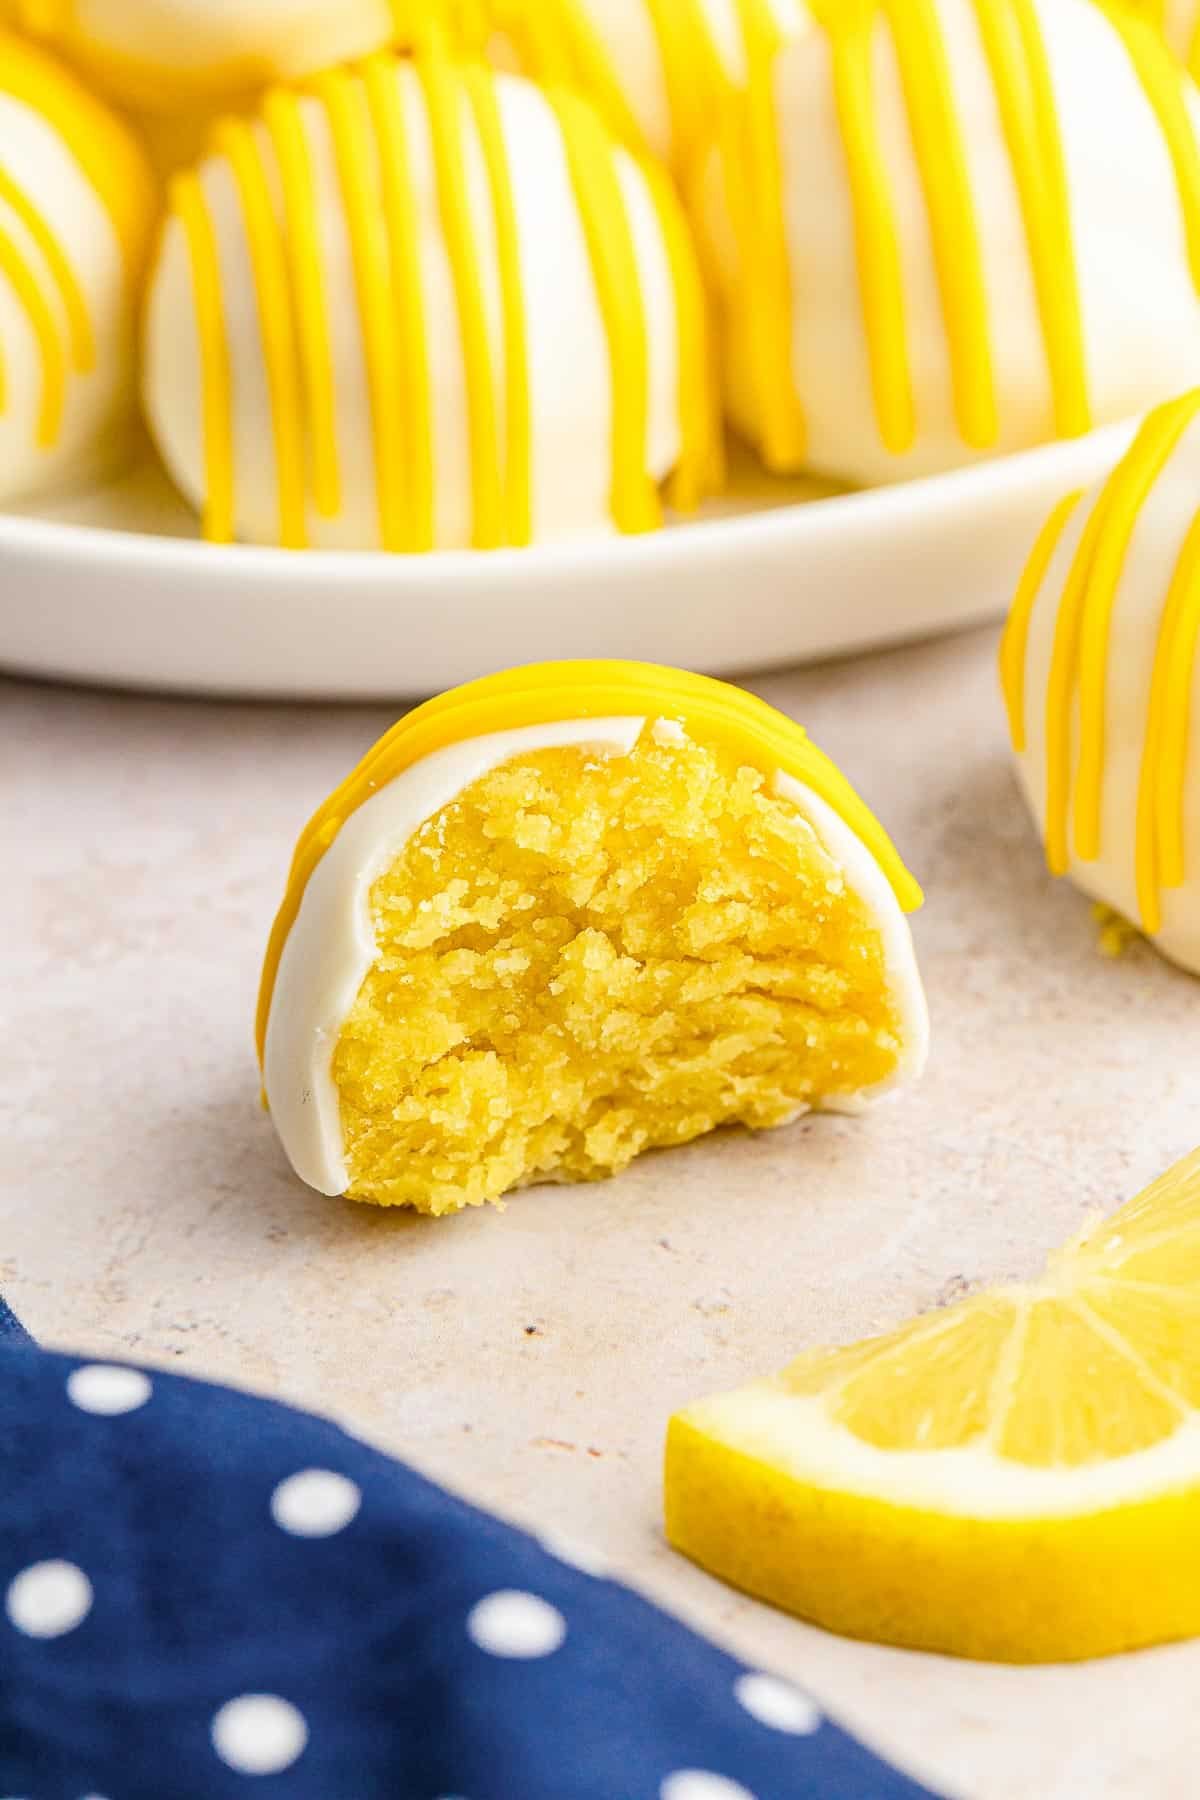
{"type": "Point", "coordinates": [1015, 1477]}
{"type": "Point", "coordinates": [585, 956]}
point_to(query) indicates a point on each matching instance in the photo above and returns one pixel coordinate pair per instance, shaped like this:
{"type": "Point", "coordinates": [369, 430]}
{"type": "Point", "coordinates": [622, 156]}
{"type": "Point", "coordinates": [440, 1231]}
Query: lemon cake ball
{"type": "Point", "coordinates": [422, 305]}
{"type": "Point", "coordinates": [570, 913]}
{"type": "Point", "coordinates": [656, 69]}
{"type": "Point", "coordinates": [162, 55]}
{"type": "Point", "coordinates": [953, 229]}
{"type": "Point", "coordinates": [1102, 684]}
{"type": "Point", "coordinates": [77, 208]}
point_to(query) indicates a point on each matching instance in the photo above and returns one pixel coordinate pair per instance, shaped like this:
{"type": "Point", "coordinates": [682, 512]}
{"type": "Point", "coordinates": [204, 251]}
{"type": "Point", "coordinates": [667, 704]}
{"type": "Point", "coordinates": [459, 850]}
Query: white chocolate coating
{"type": "Point", "coordinates": [571, 398]}
{"type": "Point", "coordinates": [159, 54]}
{"type": "Point", "coordinates": [1140, 312]}
{"type": "Point", "coordinates": [332, 944]}
{"type": "Point", "coordinates": [100, 400]}
{"type": "Point", "coordinates": [1141, 593]}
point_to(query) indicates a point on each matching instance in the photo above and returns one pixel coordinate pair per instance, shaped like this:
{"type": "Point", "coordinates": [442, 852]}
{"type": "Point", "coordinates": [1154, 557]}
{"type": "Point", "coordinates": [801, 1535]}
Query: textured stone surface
{"type": "Point", "coordinates": [531, 1358]}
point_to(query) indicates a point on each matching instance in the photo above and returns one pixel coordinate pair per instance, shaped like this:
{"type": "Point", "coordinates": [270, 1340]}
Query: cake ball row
{"type": "Point", "coordinates": [419, 301]}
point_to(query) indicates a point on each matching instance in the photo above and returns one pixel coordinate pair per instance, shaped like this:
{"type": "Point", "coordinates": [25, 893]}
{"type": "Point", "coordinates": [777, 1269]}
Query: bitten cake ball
{"type": "Point", "coordinates": [161, 55]}
{"type": "Point", "coordinates": [77, 207]}
{"type": "Point", "coordinates": [953, 229]}
{"type": "Point", "coordinates": [656, 69]}
{"type": "Point", "coordinates": [1101, 681]}
{"type": "Point", "coordinates": [570, 913]}
{"type": "Point", "coordinates": [422, 305]}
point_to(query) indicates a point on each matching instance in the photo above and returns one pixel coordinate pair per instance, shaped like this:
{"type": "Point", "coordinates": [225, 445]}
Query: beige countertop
{"type": "Point", "coordinates": [145, 1209]}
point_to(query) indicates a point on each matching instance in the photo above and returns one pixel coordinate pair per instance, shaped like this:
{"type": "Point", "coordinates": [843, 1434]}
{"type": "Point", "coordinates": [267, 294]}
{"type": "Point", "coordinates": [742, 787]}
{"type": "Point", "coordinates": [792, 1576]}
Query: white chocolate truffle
{"type": "Point", "coordinates": [422, 305]}
{"type": "Point", "coordinates": [1102, 685]}
{"type": "Point", "coordinates": [654, 68]}
{"type": "Point", "coordinates": [162, 55]}
{"type": "Point", "coordinates": [77, 207]}
{"type": "Point", "coordinates": [571, 912]}
{"type": "Point", "coordinates": [961, 228]}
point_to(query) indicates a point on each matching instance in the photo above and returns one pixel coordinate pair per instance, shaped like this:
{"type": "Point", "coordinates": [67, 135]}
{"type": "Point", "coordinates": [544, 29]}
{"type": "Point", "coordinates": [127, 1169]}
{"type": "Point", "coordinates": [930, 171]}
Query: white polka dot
{"type": "Point", "coordinates": [49, 1598]}
{"type": "Point", "coordinates": [510, 1623]}
{"type": "Point", "coordinates": [778, 1704]}
{"type": "Point", "coordinates": [576, 1556]}
{"type": "Point", "coordinates": [259, 1734]}
{"type": "Point", "coordinates": [315, 1503]}
{"type": "Point", "coordinates": [105, 1388]}
{"type": "Point", "coordinates": [699, 1784]}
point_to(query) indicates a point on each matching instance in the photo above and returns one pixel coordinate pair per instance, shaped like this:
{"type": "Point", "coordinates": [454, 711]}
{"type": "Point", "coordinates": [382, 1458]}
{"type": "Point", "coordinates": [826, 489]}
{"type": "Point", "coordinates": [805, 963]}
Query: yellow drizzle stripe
{"type": "Point", "coordinates": [876, 240]}
{"type": "Point", "coordinates": [107, 153]}
{"type": "Point", "coordinates": [444, 97]}
{"type": "Point", "coordinates": [751, 133]}
{"type": "Point", "coordinates": [942, 163]}
{"type": "Point", "coordinates": [700, 451]}
{"type": "Point", "coordinates": [285, 124]}
{"type": "Point", "coordinates": [16, 271]}
{"type": "Point", "coordinates": [692, 71]}
{"type": "Point", "coordinates": [1180, 646]}
{"type": "Point", "coordinates": [1127, 491]}
{"type": "Point", "coordinates": [79, 324]}
{"type": "Point", "coordinates": [1015, 641]}
{"type": "Point", "coordinates": [591, 160]}
{"type": "Point", "coordinates": [1163, 85]}
{"type": "Point", "coordinates": [188, 204]}
{"type": "Point", "coordinates": [518, 429]}
{"type": "Point", "coordinates": [711, 710]}
{"type": "Point", "coordinates": [1158, 856]}
{"type": "Point", "coordinates": [384, 97]}
{"type": "Point", "coordinates": [238, 143]}
{"type": "Point", "coordinates": [1016, 53]}
{"type": "Point", "coordinates": [342, 97]}
{"type": "Point", "coordinates": [593, 71]}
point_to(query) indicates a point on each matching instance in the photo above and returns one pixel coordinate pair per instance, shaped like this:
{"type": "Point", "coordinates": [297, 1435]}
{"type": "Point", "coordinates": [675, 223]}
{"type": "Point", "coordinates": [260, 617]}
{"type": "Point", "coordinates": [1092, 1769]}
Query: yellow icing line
{"type": "Point", "coordinates": [1160, 797]}
{"type": "Point", "coordinates": [592, 70]}
{"type": "Point", "coordinates": [692, 72]}
{"type": "Point", "coordinates": [591, 160]}
{"type": "Point", "coordinates": [1021, 76]}
{"type": "Point", "coordinates": [518, 428]}
{"type": "Point", "coordinates": [285, 125]}
{"type": "Point", "coordinates": [105, 150]}
{"type": "Point", "coordinates": [385, 98]}
{"type": "Point", "coordinates": [942, 164]}
{"type": "Point", "coordinates": [341, 95]}
{"type": "Point", "coordinates": [756, 169]}
{"type": "Point", "coordinates": [188, 204]}
{"type": "Point", "coordinates": [1169, 788]}
{"type": "Point", "coordinates": [238, 143]}
{"type": "Point", "coordinates": [1060, 689]}
{"type": "Point", "coordinates": [1159, 75]}
{"type": "Point", "coordinates": [1128, 489]}
{"type": "Point", "coordinates": [444, 96]}
{"type": "Point", "coordinates": [876, 240]}
{"type": "Point", "coordinates": [1014, 643]}
{"type": "Point", "coordinates": [79, 324]}
{"type": "Point", "coordinates": [712, 711]}
{"type": "Point", "coordinates": [16, 271]}
{"type": "Point", "coordinates": [700, 452]}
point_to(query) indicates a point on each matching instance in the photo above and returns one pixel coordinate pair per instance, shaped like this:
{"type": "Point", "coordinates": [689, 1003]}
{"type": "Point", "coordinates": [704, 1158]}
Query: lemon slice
{"type": "Point", "coordinates": [1016, 1477]}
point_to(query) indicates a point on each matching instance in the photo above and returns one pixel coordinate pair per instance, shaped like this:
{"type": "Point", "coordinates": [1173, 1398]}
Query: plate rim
{"type": "Point", "coordinates": [40, 537]}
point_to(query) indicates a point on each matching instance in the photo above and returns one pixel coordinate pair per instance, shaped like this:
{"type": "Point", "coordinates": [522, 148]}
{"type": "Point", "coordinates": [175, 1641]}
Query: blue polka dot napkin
{"type": "Point", "coordinates": [208, 1596]}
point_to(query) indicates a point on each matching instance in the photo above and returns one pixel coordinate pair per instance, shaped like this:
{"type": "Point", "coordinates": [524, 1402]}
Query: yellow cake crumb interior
{"type": "Point", "coordinates": [585, 956]}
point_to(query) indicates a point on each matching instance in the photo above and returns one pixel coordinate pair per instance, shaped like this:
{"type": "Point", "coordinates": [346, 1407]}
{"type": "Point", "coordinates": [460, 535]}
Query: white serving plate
{"type": "Point", "coordinates": [114, 587]}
